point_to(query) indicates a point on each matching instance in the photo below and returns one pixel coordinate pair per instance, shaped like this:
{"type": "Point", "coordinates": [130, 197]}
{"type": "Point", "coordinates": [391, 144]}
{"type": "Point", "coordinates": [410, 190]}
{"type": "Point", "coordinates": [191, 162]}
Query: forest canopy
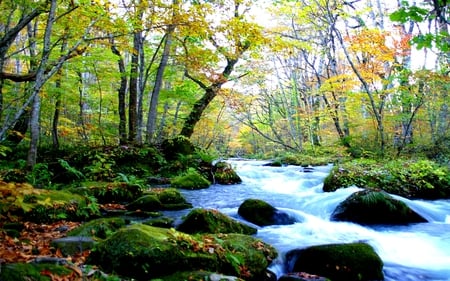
{"type": "Point", "coordinates": [238, 77]}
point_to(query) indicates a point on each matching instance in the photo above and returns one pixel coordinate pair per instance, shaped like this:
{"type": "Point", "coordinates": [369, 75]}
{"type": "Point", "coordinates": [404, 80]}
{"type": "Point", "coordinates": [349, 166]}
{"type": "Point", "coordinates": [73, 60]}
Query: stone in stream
{"type": "Point", "coordinates": [338, 262]}
{"type": "Point", "coordinates": [369, 207]}
{"type": "Point", "coordinates": [262, 213]}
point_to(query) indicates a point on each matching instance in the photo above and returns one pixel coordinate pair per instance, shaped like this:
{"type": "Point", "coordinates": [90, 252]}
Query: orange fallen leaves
{"type": "Point", "coordinates": [34, 241]}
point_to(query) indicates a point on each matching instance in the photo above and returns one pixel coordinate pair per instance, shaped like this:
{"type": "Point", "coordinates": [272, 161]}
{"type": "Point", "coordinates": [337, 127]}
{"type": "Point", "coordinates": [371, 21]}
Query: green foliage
{"type": "Point", "coordinates": [40, 176]}
{"type": "Point", "coordinates": [71, 170]}
{"type": "Point", "coordinates": [4, 150]}
{"type": "Point", "coordinates": [101, 167]}
{"type": "Point", "coordinates": [418, 14]}
{"type": "Point", "coordinates": [409, 178]}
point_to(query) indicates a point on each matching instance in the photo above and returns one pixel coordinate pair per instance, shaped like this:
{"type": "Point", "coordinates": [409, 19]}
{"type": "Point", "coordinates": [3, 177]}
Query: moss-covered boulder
{"type": "Point", "coordinates": [161, 221]}
{"type": "Point", "coordinates": [339, 262]}
{"type": "Point", "coordinates": [262, 213]}
{"type": "Point", "coordinates": [412, 178]}
{"type": "Point", "coordinates": [114, 192]}
{"type": "Point", "coordinates": [212, 221]}
{"type": "Point", "coordinates": [171, 199]}
{"type": "Point", "coordinates": [374, 207]}
{"type": "Point", "coordinates": [35, 272]}
{"type": "Point", "coordinates": [225, 174]}
{"type": "Point", "coordinates": [42, 205]}
{"type": "Point", "coordinates": [191, 179]}
{"type": "Point", "coordinates": [144, 252]}
{"type": "Point", "coordinates": [146, 203]}
{"type": "Point", "coordinates": [99, 228]}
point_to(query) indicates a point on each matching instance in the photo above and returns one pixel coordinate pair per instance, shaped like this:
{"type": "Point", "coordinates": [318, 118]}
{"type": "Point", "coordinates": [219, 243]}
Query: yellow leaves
{"type": "Point", "coordinates": [340, 83]}
{"type": "Point", "coordinates": [373, 45]}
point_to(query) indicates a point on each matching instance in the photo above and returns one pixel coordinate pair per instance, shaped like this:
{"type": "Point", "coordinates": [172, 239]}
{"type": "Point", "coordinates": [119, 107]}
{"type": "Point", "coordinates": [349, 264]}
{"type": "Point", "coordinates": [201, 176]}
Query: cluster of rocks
{"type": "Point", "coordinates": [209, 245]}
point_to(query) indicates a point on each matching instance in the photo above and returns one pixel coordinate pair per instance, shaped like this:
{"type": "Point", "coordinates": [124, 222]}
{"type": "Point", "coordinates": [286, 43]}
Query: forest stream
{"type": "Point", "coordinates": [410, 253]}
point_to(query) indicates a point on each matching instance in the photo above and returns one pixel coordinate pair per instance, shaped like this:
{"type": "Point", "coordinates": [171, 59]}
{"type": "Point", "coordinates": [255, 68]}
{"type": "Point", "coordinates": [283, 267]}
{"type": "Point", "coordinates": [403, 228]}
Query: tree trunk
{"type": "Point", "coordinates": [55, 121]}
{"type": "Point", "coordinates": [40, 80]}
{"type": "Point", "coordinates": [134, 88]}
{"type": "Point", "coordinates": [121, 93]}
{"type": "Point", "coordinates": [153, 109]}
{"type": "Point", "coordinates": [197, 110]}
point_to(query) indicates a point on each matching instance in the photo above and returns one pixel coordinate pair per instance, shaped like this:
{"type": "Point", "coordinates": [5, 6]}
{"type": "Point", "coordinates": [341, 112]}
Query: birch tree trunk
{"type": "Point", "coordinates": [40, 80]}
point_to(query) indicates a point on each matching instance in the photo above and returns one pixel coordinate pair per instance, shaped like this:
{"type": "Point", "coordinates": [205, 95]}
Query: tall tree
{"type": "Point", "coordinates": [228, 35]}
{"type": "Point", "coordinates": [153, 107]}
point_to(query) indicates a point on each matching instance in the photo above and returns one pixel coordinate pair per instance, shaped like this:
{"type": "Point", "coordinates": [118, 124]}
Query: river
{"type": "Point", "coordinates": [414, 252]}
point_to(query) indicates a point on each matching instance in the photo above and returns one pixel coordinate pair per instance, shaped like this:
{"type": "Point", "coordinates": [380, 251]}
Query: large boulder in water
{"type": "Point", "coordinates": [262, 213]}
{"type": "Point", "coordinates": [339, 262]}
{"type": "Point", "coordinates": [224, 173]}
{"type": "Point", "coordinates": [374, 207]}
{"type": "Point", "coordinates": [144, 252]}
{"type": "Point", "coordinates": [212, 221]}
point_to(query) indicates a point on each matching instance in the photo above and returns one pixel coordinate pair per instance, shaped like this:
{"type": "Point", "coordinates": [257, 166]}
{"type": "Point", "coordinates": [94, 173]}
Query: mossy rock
{"type": "Point", "coordinates": [144, 252]}
{"type": "Point", "coordinates": [416, 179]}
{"type": "Point", "coordinates": [339, 262]}
{"type": "Point", "coordinates": [192, 180]}
{"type": "Point", "coordinates": [212, 221]}
{"type": "Point", "coordinates": [43, 205]}
{"type": "Point", "coordinates": [146, 203]}
{"type": "Point", "coordinates": [225, 174]}
{"type": "Point", "coordinates": [99, 228]}
{"type": "Point", "coordinates": [162, 221]}
{"type": "Point", "coordinates": [374, 207]}
{"type": "Point", "coordinates": [172, 199]}
{"type": "Point", "coordinates": [34, 272]}
{"type": "Point", "coordinates": [262, 213]}
{"type": "Point", "coordinates": [114, 192]}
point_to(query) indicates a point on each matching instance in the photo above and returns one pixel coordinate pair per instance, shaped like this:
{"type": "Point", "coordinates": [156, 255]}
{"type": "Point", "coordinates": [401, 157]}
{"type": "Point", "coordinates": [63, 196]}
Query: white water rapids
{"type": "Point", "coordinates": [414, 252]}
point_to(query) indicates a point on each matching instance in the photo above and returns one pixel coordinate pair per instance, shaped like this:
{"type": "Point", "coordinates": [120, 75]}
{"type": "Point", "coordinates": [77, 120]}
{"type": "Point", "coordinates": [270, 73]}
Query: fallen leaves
{"type": "Point", "coordinates": [34, 241]}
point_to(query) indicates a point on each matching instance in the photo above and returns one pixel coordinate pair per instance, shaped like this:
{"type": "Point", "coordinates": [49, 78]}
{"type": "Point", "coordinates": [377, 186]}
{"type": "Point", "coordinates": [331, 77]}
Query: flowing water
{"type": "Point", "coordinates": [413, 252]}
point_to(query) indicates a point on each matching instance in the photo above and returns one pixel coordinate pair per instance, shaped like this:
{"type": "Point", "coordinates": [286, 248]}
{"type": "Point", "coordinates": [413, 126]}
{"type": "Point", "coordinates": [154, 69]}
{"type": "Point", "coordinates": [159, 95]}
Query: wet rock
{"type": "Point", "coordinates": [72, 245]}
{"type": "Point", "coordinates": [225, 174]}
{"type": "Point", "coordinates": [375, 207]}
{"type": "Point", "coordinates": [147, 203]}
{"type": "Point", "coordinates": [338, 262]}
{"type": "Point", "coordinates": [212, 221]}
{"type": "Point", "coordinates": [262, 213]}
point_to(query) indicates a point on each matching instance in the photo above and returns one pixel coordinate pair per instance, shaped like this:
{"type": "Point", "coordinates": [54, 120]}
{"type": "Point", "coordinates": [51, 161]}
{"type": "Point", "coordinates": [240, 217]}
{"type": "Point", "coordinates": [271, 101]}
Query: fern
{"type": "Point", "coordinates": [70, 169]}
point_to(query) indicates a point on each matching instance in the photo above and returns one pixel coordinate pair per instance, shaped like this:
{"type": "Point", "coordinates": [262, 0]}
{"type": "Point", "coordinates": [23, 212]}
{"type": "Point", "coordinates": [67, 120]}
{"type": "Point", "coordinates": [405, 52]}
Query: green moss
{"type": "Point", "coordinates": [423, 179]}
{"type": "Point", "coordinates": [192, 179]}
{"type": "Point", "coordinates": [31, 272]}
{"type": "Point", "coordinates": [170, 196]}
{"type": "Point", "coordinates": [224, 174]}
{"type": "Point", "coordinates": [144, 252]}
{"type": "Point", "coordinates": [257, 211]}
{"type": "Point", "coordinates": [148, 203]}
{"type": "Point", "coordinates": [353, 262]}
{"type": "Point", "coordinates": [212, 221]}
{"type": "Point", "coordinates": [99, 228]}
